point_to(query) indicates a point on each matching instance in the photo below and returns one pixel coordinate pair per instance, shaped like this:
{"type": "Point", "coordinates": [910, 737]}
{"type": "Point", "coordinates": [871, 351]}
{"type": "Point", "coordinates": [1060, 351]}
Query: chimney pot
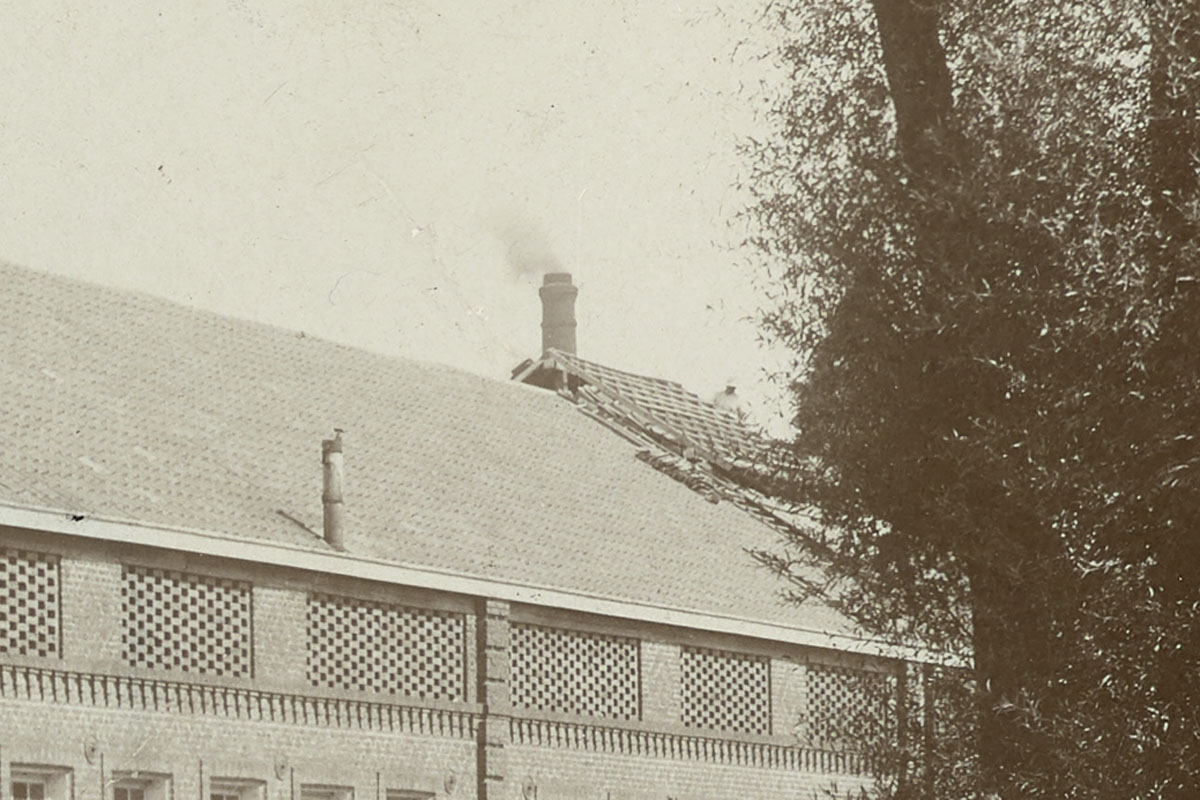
{"type": "Point", "coordinates": [333, 474]}
{"type": "Point", "coordinates": [558, 312]}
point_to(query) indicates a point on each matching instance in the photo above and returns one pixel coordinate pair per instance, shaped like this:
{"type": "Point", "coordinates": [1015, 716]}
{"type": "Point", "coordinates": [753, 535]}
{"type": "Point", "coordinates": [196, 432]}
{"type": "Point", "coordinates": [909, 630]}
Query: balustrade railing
{"type": "Point", "coordinates": [172, 696]}
{"type": "Point", "coordinates": [673, 745]}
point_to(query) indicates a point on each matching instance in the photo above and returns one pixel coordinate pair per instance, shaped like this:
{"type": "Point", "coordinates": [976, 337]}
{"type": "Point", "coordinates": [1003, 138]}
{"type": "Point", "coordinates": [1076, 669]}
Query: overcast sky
{"type": "Point", "coordinates": [395, 175]}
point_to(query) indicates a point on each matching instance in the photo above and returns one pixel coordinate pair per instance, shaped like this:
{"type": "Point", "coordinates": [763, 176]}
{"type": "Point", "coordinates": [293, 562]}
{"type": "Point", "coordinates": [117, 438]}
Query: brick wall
{"type": "Point", "coordinates": [280, 637]}
{"type": "Point", "coordinates": [99, 716]}
{"type": "Point", "coordinates": [91, 601]}
{"type": "Point", "coordinates": [551, 773]}
{"type": "Point", "coordinates": [660, 682]}
{"type": "Point", "coordinates": [788, 702]}
{"type": "Point", "coordinates": [191, 749]}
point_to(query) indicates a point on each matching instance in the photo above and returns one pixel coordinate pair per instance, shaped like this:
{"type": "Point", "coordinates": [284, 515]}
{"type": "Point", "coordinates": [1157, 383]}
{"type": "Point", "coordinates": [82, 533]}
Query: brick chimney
{"type": "Point", "coordinates": [333, 474]}
{"type": "Point", "coordinates": [558, 312]}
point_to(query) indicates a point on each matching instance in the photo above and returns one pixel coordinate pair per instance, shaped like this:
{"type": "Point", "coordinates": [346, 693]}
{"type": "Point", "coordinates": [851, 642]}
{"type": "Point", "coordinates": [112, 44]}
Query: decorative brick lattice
{"type": "Point", "coordinates": [375, 647]}
{"type": "Point", "coordinates": [29, 604]}
{"type": "Point", "coordinates": [847, 708]}
{"type": "Point", "coordinates": [190, 623]}
{"type": "Point", "coordinates": [575, 673]}
{"type": "Point", "coordinates": [726, 691]}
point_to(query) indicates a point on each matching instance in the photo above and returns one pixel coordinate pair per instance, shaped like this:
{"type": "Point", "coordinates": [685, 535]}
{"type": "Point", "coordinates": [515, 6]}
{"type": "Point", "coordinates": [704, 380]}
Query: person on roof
{"type": "Point", "coordinates": [729, 402]}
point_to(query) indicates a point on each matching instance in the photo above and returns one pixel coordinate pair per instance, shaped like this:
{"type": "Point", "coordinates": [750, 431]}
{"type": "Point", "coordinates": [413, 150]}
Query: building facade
{"type": "Point", "coordinates": [481, 589]}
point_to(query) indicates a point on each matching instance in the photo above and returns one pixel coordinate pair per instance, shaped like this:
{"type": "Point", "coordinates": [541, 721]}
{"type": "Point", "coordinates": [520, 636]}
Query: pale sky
{"type": "Point", "coordinates": [392, 175]}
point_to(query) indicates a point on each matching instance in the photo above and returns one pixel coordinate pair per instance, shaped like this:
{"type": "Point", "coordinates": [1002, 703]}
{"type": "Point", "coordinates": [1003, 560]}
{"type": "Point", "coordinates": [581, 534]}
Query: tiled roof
{"type": "Point", "coordinates": [123, 406]}
{"type": "Point", "coordinates": [666, 408]}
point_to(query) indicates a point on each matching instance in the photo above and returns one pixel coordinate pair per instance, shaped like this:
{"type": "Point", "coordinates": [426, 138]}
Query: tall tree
{"type": "Point", "coordinates": [978, 223]}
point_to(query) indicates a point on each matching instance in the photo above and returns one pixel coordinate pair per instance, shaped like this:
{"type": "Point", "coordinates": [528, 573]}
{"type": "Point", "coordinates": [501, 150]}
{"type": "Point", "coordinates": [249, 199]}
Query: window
{"type": "Point", "coordinates": [377, 647]}
{"type": "Point", "coordinates": [235, 789]}
{"type": "Point", "coordinates": [573, 672]}
{"type": "Point", "coordinates": [409, 794]}
{"type": "Point", "coordinates": [849, 707]}
{"type": "Point", "coordinates": [314, 791]}
{"type": "Point", "coordinates": [185, 622]}
{"type": "Point", "coordinates": [137, 785]}
{"type": "Point", "coordinates": [29, 790]}
{"type": "Point", "coordinates": [35, 782]}
{"type": "Point", "coordinates": [726, 691]}
{"type": "Point", "coordinates": [29, 605]}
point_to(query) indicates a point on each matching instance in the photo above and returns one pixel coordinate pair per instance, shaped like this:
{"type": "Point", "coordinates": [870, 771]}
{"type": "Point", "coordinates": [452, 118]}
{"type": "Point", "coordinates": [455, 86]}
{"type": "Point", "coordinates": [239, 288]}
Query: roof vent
{"type": "Point", "coordinates": [331, 492]}
{"type": "Point", "coordinates": [558, 312]}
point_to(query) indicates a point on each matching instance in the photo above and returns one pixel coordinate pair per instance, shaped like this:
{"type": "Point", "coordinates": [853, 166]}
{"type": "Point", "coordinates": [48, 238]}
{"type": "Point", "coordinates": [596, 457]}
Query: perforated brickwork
{"type": "Point", "coordinates": [29, 604]}
{"type": "Point", "coordinates": [190, 623]}
{"type": "Point", "coordinates": [726, 691]}
{"type": "Point", "coordinates": [375, 647]}
{"type": "Point", "coordinates": [575, 673]}
{"type": "Point", "coordinates": [848, 707]}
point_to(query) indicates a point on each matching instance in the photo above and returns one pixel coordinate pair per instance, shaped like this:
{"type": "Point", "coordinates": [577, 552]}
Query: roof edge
{"type": "Point", "coordinates": [344, 564]}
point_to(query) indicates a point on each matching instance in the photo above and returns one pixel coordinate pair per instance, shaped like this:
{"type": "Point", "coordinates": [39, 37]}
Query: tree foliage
{"type": "Point", "coordinates": [976, 222]}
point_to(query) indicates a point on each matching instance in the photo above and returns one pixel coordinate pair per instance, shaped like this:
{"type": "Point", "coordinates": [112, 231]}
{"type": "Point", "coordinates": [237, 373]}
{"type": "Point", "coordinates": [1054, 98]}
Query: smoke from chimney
{"type": "Point", "coordinates": [527, 251]}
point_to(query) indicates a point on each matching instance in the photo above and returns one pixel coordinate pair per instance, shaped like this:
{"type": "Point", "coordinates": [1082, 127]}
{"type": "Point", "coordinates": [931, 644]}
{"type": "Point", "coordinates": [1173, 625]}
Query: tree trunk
{"type": "Point", "coordinates": [1008, 619]}
{"type": "Point", "coordinates": [1174, 371]}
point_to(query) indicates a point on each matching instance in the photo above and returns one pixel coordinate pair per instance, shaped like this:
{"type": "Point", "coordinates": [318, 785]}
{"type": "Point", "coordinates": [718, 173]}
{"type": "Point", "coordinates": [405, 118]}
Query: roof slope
{"type": "Point", "coordinates": [124, 406]}
{"type": "Point", "coordinates": [667, 409]}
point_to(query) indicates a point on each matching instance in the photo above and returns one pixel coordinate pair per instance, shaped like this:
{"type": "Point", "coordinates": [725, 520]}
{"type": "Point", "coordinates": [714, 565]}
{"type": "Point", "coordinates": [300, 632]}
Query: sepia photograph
{"type": "Point", "coordinates": [612, 400]}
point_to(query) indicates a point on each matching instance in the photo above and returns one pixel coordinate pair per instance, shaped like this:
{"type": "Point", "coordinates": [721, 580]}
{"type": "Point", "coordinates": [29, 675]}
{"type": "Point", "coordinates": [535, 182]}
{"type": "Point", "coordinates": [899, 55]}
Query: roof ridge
{"type": "Point", "coordinates": [167, 303]}
{"type": "Point", "coordinates": [596, 364]}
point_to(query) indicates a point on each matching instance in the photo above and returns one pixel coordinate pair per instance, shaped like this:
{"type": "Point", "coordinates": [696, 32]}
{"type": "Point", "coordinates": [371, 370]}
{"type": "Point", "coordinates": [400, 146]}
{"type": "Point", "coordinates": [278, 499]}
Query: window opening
{"type": "Point", "coordinates": [28, 790]}
{"type": "Point", "coordinates": [137, 785]}
{"type": "Point", "coordinates": [235, 789]}
{"type": "Point", "coordinates": [323, 792]}
{"type": "Point", "coordinates": [36, 782]}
